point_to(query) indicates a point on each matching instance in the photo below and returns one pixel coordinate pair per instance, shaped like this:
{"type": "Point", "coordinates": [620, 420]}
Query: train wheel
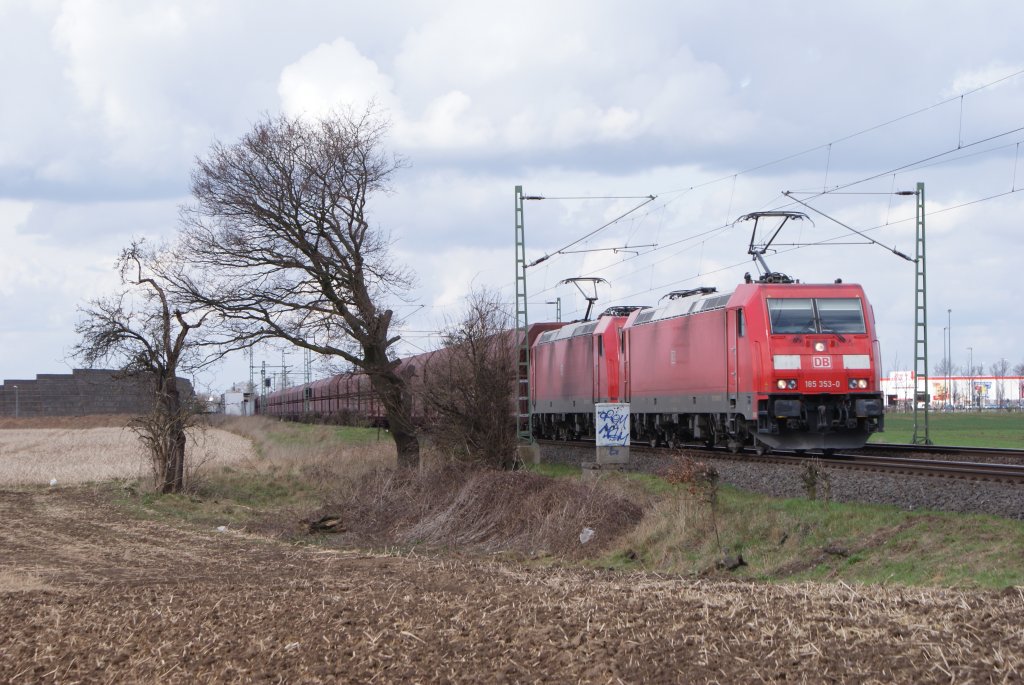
{"type": "Point", "coordinates": [735, 446]}
{"type": "Point", "coordinates": [761, 449]}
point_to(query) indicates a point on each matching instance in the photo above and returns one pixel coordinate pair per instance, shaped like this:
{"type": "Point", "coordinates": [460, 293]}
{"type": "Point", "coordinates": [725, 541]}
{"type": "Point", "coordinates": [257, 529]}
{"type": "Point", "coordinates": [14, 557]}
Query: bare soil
{"type": "Point", "coordinates": [88, 595]}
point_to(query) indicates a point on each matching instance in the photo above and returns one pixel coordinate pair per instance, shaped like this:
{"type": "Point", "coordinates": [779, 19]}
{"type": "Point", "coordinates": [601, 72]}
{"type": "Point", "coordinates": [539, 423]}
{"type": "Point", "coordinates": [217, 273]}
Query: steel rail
{"type": "Point", "coordinates": [944, 449]}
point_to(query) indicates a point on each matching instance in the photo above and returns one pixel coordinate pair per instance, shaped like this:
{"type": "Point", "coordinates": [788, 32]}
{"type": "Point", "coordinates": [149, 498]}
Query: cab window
{"type": "Point", "coordinates": [791, 315]}
{"type": "Point", "coordinates": [840, 315]}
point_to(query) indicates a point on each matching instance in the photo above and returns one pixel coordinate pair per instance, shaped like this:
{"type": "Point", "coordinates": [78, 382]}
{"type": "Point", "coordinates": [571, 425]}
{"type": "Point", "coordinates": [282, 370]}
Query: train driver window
{"type": "Point", "coordinates": [741, 326]}
{"type": "Point", "coordinates": [841, 315]}
{"type": "Point", "coordinates": [791, 315]}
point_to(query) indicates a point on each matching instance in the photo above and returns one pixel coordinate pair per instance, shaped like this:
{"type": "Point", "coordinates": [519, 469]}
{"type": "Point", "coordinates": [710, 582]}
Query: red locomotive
{"type": "Point", "coordinates": [784, 365]}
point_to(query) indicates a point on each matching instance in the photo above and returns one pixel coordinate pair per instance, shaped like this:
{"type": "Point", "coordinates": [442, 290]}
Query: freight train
{"type": "Point", "coordinates": [348, 398]}
{"type": "Point", "coordinates": [773, 364]}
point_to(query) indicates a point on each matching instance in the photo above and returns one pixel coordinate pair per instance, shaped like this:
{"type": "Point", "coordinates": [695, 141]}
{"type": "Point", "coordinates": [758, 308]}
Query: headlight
{"type": "Point", "coordinates": [786, 384]}
{"type": "Point", "coordinates": [858, 383]}
{"type": "Point", "coordinates": [781, 384]}
{"type": "Point", "coordinates": [819, 346]}
{"type": "Point", "coordinates": [862, 384]}
{"type": "Point", "coordinates": [792, 384]}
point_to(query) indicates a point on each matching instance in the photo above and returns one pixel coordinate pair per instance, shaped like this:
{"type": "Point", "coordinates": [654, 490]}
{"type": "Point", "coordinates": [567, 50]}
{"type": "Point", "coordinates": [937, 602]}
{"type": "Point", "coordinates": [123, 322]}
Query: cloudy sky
{"type": "Point", "coordinates": [714, 108]}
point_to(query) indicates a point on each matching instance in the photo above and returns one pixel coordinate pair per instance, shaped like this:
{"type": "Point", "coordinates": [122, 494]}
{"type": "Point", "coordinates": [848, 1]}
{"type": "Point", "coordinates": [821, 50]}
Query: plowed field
{"type": "Point", "coordinates": [88, 595]}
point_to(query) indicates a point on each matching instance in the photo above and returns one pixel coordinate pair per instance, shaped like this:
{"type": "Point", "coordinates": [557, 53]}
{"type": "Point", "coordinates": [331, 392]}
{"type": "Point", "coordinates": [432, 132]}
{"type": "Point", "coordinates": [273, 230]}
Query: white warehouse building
{"type": "Point", "coordinates": [957, 392]}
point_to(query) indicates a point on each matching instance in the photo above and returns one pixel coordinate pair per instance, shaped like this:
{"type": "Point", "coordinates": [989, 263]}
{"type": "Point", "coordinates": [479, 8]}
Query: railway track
{"type": "Point", "coordinates": [912, 466]}
{"type": "Point", "coordinates": [994, 468]}
{"type": "Point", "coordinates": [978, 454]}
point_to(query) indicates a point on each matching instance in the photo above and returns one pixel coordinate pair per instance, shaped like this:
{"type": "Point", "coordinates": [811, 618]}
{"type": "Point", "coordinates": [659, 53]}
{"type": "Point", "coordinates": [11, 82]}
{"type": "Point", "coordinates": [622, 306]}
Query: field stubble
{"type": "Point", "coordinates": [88, 595]}
{"type": "Point", "coordinates": [91, 594]}
{"type": "Point", "coordinates": [72, 455]}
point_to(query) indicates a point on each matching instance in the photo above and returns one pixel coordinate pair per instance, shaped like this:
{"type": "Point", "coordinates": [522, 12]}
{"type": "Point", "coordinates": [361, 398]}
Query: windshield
{"type": "Point", "coordinates": [792, 316]}
{"type": "Point", "coordinates": [840, 315]}
{"type": "Point", "coordinates": [818, 315]}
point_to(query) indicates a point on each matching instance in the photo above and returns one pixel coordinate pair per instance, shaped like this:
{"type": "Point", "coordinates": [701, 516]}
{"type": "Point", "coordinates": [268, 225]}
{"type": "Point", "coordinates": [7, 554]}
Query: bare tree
{"type": "Point", "coordinates": [1000, 370]}
{"type": "Point", "coordinates": [468, 386]}
{"type": "Point", "coordinates": [1018, 369]}
{"type": "Point", "coordinates": [141, 330]}
{"type": "Point", "coordinates": [944, 367]}
{"type": "Point", "coordinates": [280, 229]}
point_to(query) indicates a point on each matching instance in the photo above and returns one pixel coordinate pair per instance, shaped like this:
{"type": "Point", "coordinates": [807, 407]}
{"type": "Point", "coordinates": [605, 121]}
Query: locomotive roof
{"type": "Point", "coordinates": [697, 300]}
{"type": "Point", "coordinates": [687, 302]}
{"type": "Point", "coordinates": [580, 328]}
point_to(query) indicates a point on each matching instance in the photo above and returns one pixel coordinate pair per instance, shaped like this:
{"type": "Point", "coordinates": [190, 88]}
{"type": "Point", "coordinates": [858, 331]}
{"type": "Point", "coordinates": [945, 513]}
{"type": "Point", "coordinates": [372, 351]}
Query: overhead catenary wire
{"type": "Point", "coordinates": [648, 200]}
{"type": "Point", "coordinates": [850, 228]}
{"type": "Point", "coordinates": [945, 156]}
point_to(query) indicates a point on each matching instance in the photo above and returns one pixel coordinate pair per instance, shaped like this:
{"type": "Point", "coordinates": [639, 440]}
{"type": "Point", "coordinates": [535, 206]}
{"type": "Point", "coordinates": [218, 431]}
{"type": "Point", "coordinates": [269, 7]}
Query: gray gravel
{"type": "Point", "coordinates": [903, 491]}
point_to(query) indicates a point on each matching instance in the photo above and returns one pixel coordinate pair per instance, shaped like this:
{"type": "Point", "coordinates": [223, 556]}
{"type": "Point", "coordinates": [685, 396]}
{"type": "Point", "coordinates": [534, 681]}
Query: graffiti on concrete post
{"type": "Point", "coordinates": [612, 422]}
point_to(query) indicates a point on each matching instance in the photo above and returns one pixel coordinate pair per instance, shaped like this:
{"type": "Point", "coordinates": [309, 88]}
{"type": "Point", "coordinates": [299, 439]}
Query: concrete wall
{"type": "Point", "coordinates": [80, 393]}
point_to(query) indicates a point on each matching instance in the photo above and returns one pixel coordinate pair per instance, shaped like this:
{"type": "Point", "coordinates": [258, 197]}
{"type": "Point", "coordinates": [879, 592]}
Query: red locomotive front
{"type": "Point", "coordinates": [820, 386]}
{"type": "Point", "coordinates": [784, 365]}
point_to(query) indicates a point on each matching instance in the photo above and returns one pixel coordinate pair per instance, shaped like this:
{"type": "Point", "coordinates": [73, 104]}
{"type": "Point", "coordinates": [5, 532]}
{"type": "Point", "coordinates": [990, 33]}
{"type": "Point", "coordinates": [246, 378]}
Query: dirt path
{"type": "Point", "coordinates": [86, 595]}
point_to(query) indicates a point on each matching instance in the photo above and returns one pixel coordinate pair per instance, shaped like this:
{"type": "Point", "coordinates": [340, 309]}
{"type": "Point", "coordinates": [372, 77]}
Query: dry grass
{"type": "Point", "coordinates": [15, 580]}
{"type": "Point", "coordinates": [329, 460]}
{"type": "Point", "coordinates": [35, 456]}
{"type": "Point", "coordinates": [486, 510]}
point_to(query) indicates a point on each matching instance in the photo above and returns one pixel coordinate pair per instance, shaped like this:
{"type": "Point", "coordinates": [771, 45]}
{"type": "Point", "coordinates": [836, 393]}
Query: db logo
{"type": "Point", "coordinates": [821, 362]}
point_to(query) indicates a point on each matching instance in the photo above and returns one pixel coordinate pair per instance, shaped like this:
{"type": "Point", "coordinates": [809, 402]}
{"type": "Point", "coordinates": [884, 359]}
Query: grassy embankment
{"type": "Point", "coordinates": [961, 429]}
{"type": "Point", "coordinates": [296, 467]}
{"type": "Point", "coordinates": [300, 468]}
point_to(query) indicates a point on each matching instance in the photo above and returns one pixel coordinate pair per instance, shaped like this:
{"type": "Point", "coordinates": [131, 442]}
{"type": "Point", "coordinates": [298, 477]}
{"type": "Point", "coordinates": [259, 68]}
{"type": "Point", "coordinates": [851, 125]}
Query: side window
{"type": "Point", "coordinates": [741, 324]}
{"type": "Point", "coordinates": [600, 346]}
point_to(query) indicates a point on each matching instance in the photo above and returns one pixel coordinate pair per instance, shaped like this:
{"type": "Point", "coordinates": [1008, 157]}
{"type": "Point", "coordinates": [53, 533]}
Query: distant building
{"type": "Point", "coordinates": [80, 393]}
{"type": "Point", "coordinates": [239, 401]}
{"type": "Point", "coordinates": [955, 392]}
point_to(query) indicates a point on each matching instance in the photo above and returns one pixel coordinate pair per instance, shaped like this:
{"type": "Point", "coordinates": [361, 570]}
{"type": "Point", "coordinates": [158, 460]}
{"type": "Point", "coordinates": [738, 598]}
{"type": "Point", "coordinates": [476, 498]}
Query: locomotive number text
{"type": "Point", "coordinates": [826, 385]}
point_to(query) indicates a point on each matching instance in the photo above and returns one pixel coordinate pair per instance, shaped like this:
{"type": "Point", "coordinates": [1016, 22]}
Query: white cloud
{"type": "Point", "coordinates": [470, 82]}
{"type": "Point", "coordinates": [331, 77]}
{"type": "Point", "coordinates": [966, 80]}
{"type": "Point", "coordinates": [448, 123]}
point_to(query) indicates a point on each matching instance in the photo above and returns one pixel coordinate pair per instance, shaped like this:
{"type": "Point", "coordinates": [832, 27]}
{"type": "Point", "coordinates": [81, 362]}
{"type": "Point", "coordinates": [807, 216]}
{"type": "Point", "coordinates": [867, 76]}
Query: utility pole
{"type": "Point", "coordinates": [970, 375]}
{"type": "Point", "coordinates": [308, 368]}
{"type": "Point", "coordinates": [949, 359]}
{"type": "Point", "coordinates": [921, 435]}
{"type": "Point", "coordinates": [524, 415]}
{"type": "Point", "coordinates": [558, 308]}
